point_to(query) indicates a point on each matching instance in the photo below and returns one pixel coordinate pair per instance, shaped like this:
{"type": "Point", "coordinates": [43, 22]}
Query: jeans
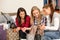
{"type": "Point", "coordinates": [51, 35]}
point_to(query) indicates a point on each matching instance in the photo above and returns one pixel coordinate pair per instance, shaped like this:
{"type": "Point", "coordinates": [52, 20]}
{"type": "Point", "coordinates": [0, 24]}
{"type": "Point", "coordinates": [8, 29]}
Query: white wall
{"type": "Point", "coordinates": [0, 5]}
{"type": "Point", "coordinates": [9, 6]}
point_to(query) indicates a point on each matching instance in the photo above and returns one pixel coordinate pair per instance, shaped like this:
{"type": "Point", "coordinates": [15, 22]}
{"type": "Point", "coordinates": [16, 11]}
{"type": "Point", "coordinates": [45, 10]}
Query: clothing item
{"type": "Point", "coordinates": [51, 35]}
{"type": "Point", "coordinates": [45, 2]}
{"type": "Point", "coordinates": [12, 35]}
{"type": "Point", "coordinates": [53, 32]}
{"type": "Point", "coordinates": [55, 21]}
{"type": "Point", "coordinates": [44, 21]}
{"type": "Point", "coordinates": [25, 24]}
{"type": "Point", "coordinates": [2, 33]}
{"type": "Point", "coordinates": [59, 3]}
{"type": "Point", "coordinates": [32, 33]}
{"type": "Point", "coordinates": [22, 34]}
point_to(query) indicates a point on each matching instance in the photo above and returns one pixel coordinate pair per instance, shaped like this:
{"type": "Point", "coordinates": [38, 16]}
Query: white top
{"type": "Point", "coordinates": [56, 22]}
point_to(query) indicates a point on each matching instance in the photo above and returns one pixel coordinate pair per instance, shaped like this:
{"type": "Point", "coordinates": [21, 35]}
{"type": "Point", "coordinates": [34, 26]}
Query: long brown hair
{"type": "Point", "coordinates": [52, 10]}
{"type": "Point", "coordinates": [18, 16]}
{"type": "Point", "coordinates": [32, 17]}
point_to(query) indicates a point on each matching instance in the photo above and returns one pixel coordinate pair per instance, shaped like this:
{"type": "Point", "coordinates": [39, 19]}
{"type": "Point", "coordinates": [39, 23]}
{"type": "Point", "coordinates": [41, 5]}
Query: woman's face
{"type": "Point", "coordinates": [22, 14]}
{"type": "Point", "coordinates": [47, 11]}
{"type": "Point", "coordinates": [36, 13]}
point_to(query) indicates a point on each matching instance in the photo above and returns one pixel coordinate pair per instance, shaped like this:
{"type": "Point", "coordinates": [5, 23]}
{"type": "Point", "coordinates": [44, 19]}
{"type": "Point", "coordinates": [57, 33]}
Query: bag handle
{"type": "Point", "coordinates": [5, 18]}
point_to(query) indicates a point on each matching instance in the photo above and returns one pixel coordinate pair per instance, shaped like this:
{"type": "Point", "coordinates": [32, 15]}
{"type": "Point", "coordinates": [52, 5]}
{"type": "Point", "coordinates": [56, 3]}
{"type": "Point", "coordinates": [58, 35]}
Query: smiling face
{"type": "Point", "coordinates": [36, 13]}
{"type": "Point", "coordinates": [22, 14]}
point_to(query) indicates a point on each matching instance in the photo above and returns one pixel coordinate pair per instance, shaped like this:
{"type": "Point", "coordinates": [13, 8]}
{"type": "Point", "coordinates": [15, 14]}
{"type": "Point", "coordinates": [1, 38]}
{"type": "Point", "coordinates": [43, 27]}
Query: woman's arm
{"type": "Point", "coordinates": [56, 25]}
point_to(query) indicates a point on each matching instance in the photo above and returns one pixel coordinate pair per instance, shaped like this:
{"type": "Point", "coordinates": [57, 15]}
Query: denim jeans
{"type": "Point", "coordinates": [51, 35]}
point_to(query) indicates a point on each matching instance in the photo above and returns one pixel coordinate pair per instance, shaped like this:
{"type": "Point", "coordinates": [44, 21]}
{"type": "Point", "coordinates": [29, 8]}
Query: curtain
{"type": "Point", "coordinates": [56, 2]}
{"type": "Point", "coordinates": [45, 2]}
{"type": "Point", "coordinates": [59, 3]}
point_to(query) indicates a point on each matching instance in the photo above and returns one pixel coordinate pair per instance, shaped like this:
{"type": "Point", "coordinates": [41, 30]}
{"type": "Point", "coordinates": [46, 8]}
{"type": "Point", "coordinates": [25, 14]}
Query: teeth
{"type": "Point", "coordinates": [36, 14]}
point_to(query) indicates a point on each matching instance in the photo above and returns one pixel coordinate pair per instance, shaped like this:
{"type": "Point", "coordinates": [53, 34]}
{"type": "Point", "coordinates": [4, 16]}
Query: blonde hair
{"type": "Point", "coordinates": [32, 17]}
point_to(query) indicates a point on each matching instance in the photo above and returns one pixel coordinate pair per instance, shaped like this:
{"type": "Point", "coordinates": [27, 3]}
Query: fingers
{"type": "Point", "coordinates": [24, 29]}
{"type": "Point", "coordinates": [14, 30]}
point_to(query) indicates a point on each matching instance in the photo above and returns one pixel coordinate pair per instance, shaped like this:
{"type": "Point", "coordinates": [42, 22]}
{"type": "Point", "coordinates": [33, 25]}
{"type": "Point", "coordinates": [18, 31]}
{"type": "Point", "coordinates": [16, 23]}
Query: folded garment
{"type": "Point", "coordinates": [2, 33]}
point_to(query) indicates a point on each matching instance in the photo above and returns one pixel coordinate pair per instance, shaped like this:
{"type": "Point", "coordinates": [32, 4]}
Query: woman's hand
{"type": "Point", "coordinates": [42, 27]}
{"type": "Point", "coordinates": [16, 29]}
{"type": "Point", "coordinates": [24, 29]}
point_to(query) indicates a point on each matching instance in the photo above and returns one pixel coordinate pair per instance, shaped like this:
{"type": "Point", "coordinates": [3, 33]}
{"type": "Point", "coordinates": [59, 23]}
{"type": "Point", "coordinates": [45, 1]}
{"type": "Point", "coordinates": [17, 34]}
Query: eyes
{"type": "Point", "coordinates": [35, 13]}
{"type": "Point", "coordinates": [22, 13]}
{"type": "Point", "coordinates": [47, 11]}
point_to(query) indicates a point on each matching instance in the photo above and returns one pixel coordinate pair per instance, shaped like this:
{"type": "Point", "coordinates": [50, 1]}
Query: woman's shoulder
{"type": "Point", "coordinates": [28, 17]}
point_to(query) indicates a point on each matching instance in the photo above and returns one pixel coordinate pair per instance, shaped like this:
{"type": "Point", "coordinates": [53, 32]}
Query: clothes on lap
{"type": "Point", "coordinates": [22, 34]}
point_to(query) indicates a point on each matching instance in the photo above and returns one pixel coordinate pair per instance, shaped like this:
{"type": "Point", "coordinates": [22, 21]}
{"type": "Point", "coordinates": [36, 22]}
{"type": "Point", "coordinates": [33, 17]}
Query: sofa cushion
{"type": "Point", "coordinates": [2, 19]}
{"type": "Point", "coordinates": [8, 17]}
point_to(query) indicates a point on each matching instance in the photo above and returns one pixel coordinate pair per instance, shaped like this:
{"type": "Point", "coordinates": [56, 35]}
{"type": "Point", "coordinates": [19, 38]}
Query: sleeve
{"type": "Point", "coordinates": [56, 25]}
{"type": "Point", "coordinates": [27, 24]}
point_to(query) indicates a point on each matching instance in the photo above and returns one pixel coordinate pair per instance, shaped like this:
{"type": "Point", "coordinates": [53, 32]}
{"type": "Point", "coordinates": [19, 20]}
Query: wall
{"type": "Point", "coordinates": [9, 6]}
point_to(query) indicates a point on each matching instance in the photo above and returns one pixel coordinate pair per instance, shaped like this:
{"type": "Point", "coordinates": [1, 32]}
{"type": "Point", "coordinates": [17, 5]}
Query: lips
{"type": "Point", "coordinates": [36, 15]}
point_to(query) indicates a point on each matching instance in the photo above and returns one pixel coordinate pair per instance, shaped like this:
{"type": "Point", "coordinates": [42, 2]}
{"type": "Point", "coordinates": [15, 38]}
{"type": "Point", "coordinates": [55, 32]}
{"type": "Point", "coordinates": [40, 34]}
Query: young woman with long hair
{"type": "Point", "coordinates": [35, 22]}
{"type": "Point", "coordinates": [52, 24]}
{"type": "Point", "coordinates": [22, 22]}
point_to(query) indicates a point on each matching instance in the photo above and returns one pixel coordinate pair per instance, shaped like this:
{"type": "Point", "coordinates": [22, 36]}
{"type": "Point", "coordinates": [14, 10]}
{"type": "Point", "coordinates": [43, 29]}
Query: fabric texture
{"type": "Point", "coordinates": [25, 24]}
{"type": "Point", "coordinates": [12, 35]}
{"type": "Point", "coordinates": [2, 33]}
{"type": "Point", "coordinates": [31, 35]}
{"type": "Point", "coordinates": [2, 19]}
